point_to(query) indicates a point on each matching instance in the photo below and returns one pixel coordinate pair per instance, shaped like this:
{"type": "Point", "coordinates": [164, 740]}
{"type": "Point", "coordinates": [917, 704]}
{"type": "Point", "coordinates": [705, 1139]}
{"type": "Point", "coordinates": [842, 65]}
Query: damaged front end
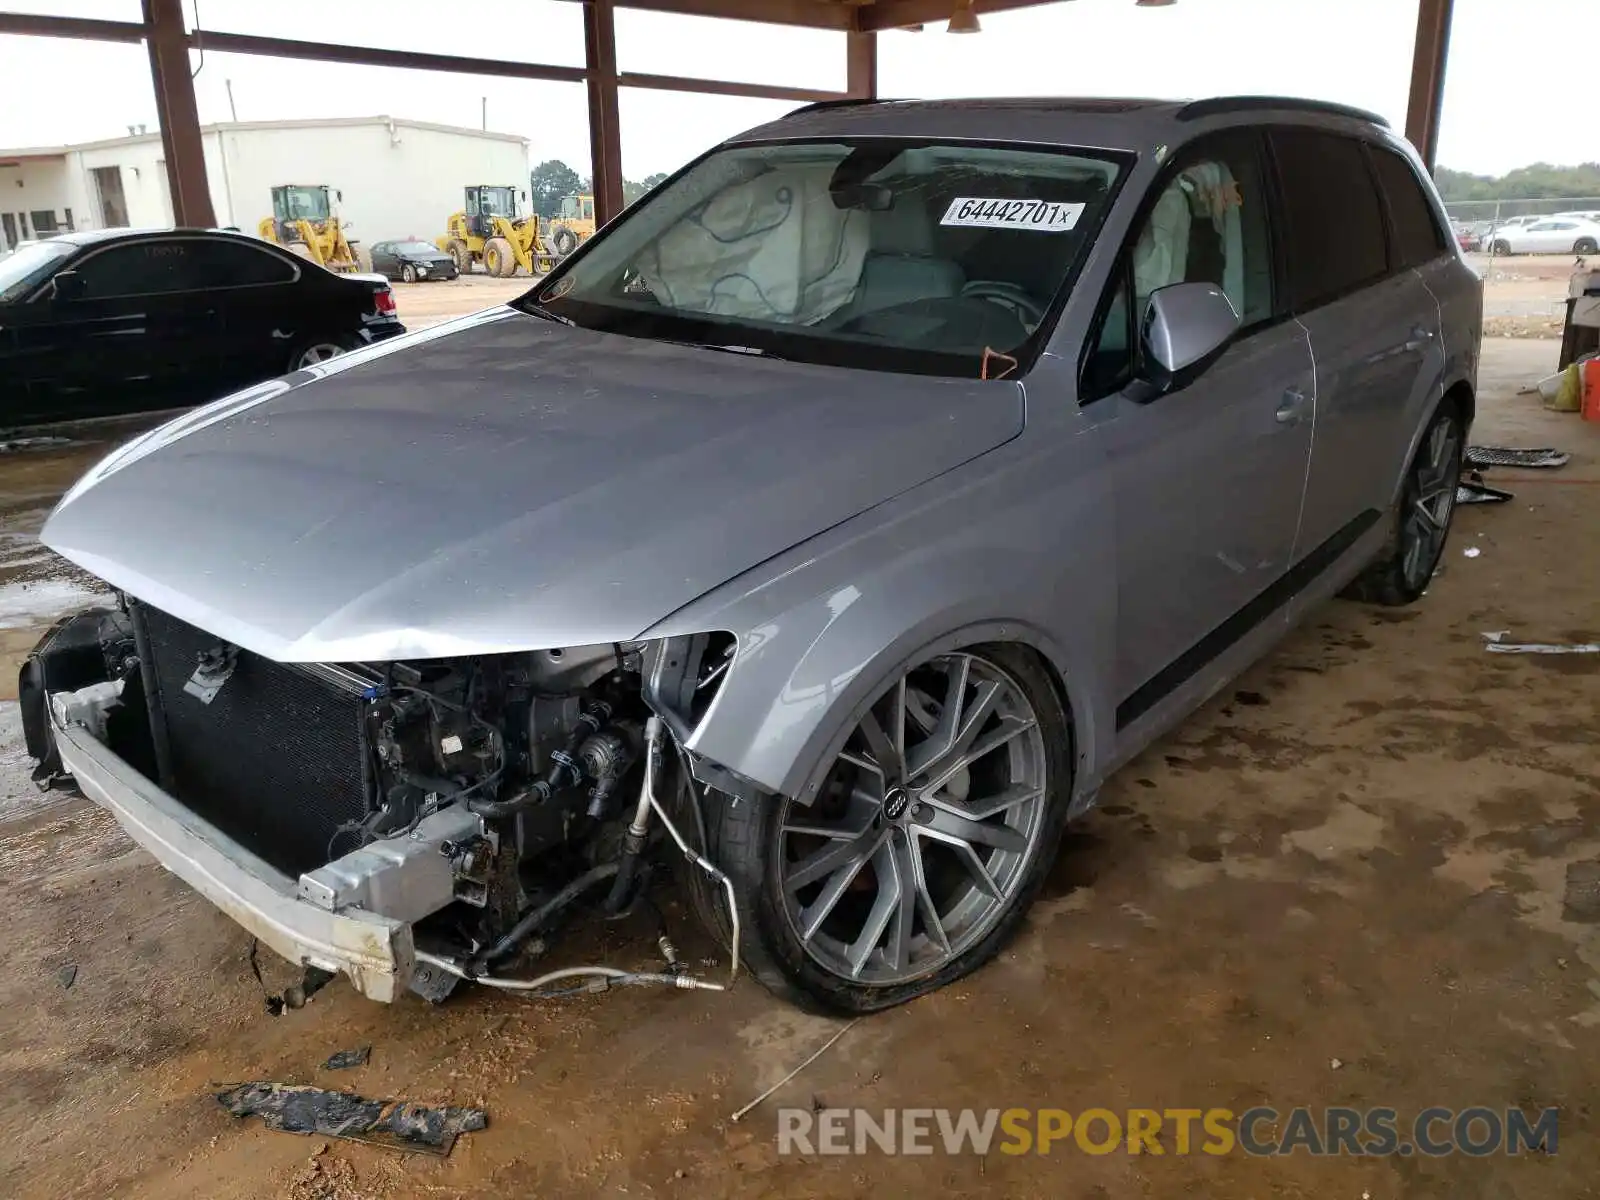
{"type": "Point", "coordinates": [406, 824]}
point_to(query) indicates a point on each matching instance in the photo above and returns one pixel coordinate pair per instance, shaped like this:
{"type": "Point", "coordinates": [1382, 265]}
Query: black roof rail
{"type": "Point", "coordinates": [843, 102]}
{"type": "Point", "coordinates": [1218, 105]}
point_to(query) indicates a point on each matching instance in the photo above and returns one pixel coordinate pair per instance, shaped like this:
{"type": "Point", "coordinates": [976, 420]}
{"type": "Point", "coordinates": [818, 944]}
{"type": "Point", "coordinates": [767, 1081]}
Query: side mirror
{"type": "Point", "coordinates": [70, 285]}
{"type": "Point", "coordinates": [1186, 326]}
{"type": "Point", "coordinates": [524, 195]}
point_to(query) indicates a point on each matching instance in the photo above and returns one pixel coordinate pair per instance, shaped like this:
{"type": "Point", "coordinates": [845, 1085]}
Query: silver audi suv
{"type": "Point", "coordinates": [828, 528]}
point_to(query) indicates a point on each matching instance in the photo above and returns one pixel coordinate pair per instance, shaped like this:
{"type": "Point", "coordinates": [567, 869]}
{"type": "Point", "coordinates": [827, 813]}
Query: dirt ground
{"type": "Point", "coordinates": [1355, 878]}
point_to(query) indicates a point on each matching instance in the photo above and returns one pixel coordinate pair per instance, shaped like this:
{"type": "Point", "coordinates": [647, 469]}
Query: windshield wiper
{"type": "Point", "coordinates": [749, 351]}
{"type": "Point", "coordinates": [534, 309]}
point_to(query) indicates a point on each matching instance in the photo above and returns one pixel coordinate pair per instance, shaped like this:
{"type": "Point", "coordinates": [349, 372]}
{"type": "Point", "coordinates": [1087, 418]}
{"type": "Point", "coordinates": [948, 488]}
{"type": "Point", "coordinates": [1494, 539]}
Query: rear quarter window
{"type": "Point", "coordinates": [1335, 237]}
{"type": "Point", "coordinates": [1417, 236]}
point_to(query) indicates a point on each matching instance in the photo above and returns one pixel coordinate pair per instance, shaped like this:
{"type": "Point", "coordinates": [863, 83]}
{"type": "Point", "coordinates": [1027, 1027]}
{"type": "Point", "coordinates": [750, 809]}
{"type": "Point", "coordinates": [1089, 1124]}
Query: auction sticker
{"type": "Point", "coordinates": [1041, 216]}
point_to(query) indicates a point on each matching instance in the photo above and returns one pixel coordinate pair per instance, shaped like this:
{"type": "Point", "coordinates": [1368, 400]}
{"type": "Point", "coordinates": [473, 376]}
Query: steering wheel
{"type": "Point", "coordinates": [1008, 296]}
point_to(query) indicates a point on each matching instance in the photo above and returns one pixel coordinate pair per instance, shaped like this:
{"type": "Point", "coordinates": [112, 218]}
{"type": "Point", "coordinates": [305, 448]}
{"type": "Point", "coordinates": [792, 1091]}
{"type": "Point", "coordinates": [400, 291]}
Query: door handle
{"type": "Point", "coordinates": [1291, 406]}
{"type": "Point", "coordinates": [1419, 338]}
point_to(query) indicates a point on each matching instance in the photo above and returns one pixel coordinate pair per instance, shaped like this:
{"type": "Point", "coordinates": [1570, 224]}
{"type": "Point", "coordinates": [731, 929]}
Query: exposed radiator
{"type": "Point", "coordinates": [277, 760]}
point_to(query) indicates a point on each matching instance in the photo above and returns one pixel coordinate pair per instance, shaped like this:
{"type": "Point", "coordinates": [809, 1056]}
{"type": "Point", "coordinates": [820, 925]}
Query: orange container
{"type": "Point", "coordinates": [1589, 389]}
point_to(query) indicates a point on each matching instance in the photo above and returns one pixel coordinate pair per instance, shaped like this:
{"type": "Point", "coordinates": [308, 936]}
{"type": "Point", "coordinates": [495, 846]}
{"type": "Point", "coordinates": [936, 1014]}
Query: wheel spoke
{"type": "Point", "coordinates": [898, 732]}
{"type": "Point", "coordinates": [931, 921]}
{"type": "Point", "coordinates": [897, 949]}
{"type": "Point", "coordinates": [846, 855]}
{"type": "Point", "coordinates": [1009, 728]}
{"type": "Point", "coordinates": [878, 745]}
{"type": "Point", "coordinates": [968, 723]}
{"type": "Point", "coordinates": [970, 858]}
{"type": "Point", "coordinates": [943, 737]}
{"type": "Point", "coordinates": [981, 808]}
{"type": "Point", "coordinates": [884, 908]}
{"type": "Point", "coordinates": [866, 764]}
{"type": "Point", "coordinates": [854, 822]}
{"type": "Point", "coordinates": [1426, 514]}
{"type": "Point", "coordinates": [844, 874]}
{"type": "Point", "coordinates": [957, 826]}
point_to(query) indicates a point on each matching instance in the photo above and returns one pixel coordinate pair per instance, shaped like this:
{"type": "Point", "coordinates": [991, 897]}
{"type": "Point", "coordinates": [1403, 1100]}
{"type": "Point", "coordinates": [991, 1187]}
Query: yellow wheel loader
{"type": "Point", "coordinates": [488, 230]}
{"type": "Point", "coordinates": [574, 226]}
{"type": "Point", "coordinates": [304, 222]}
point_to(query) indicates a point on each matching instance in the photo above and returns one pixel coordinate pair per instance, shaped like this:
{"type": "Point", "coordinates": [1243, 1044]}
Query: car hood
{"type": "Point", "coordinates": [418, 256]}
{"type": "Point", "coordinates": [503, 483]}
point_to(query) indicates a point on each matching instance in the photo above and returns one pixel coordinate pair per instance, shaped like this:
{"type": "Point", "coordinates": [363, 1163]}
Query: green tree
{"type": "Point", "coordinates": [1537, 181]}
{"type": "Point", "coordinates": [549, 183]}
{"type": "Point", "coordinates": [632, 189]}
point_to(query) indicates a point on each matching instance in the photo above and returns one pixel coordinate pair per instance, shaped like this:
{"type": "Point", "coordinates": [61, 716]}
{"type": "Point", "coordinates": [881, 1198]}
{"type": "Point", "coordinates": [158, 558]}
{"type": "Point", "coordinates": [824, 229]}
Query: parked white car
{"type": "Point", "coordinates": [1562, 235]}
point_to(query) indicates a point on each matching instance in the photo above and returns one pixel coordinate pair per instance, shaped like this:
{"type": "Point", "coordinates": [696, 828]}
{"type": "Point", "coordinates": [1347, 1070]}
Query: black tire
{"type": "Point", "coordinates": [1500, 247]}
{"type": "Point", "coordinates": [408, 273]}
{"type": "Point", "coordinates": [743, 839]}
{"type": "Point", "coordinates": [461, 256]}
{"type": "Point", "coordinates": [1585, 245]}
{"type": "Point", "coordinates": [565, 242]}
{"type": "Point", "coordinates": [1394, 579]}
{"type": "Point", "coordinates": [498, 259]}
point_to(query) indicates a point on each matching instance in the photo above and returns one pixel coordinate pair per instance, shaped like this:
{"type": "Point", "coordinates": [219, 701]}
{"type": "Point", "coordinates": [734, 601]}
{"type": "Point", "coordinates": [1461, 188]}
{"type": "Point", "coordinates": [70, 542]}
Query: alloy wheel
{"type": "Point", "coordinates": [925, 826]}
{"type": "Point", "coordinates": [318, 352]}
{"type": "Point", "coordinates": [1430, 499]}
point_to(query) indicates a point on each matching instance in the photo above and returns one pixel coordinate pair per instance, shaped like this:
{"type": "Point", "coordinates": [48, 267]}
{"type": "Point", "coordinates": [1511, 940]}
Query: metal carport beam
{"type": "Point", "coordinates": [605, 133]}
{"type": "Point", "coordinates": [177, 113]}
{"type": "Point", "coordinates": [1427, 76]}
{"type": "Point", "coordinates": [900, 14]}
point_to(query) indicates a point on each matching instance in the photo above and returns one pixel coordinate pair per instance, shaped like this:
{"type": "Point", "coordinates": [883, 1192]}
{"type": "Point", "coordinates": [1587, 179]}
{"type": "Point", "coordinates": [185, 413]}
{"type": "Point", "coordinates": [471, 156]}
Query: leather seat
{"type": "Point", "coordinates": [901, 266]}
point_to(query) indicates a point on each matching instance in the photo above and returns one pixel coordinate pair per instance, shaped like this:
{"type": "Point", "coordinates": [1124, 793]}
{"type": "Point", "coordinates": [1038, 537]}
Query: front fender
{"type": "Point", "coordinates": [1018, 550]}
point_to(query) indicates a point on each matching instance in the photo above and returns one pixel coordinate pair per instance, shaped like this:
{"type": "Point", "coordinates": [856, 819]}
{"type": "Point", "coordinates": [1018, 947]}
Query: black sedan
{"type": "Point", "coordinates": [412, 260]}
{"type": "Point", "coordinates": [105, 322]}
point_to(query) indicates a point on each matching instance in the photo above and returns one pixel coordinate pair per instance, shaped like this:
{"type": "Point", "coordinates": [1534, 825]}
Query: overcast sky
{"type": "Point", "coordinates": [1515, 93]}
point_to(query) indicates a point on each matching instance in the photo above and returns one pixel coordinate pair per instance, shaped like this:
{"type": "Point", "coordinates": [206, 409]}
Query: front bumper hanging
{"type": "Point", "coordinates": [376, 952]}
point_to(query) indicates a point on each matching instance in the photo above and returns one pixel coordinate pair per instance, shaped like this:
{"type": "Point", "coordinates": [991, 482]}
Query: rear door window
{"type": "Point", "coordinates": [221, 264]}
{"type": "Point", "coordinates": [1417, 236]}
{"type": "Point", "coordinates": [1335, 226]}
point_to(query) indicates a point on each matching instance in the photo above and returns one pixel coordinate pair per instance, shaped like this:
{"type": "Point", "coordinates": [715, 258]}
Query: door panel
{"type": "Point", "coordinates": [1207, 482]}
{"type": "Point", "coordinates": [99, 357]}
{"type": "Point", "coordinates": [1374, 351]}
{"type": "Point", "coordinates": [259, 310]}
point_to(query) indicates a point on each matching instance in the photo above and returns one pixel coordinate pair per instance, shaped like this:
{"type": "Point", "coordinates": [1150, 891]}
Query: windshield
{"type": "Point", "coordinates": [937, 258]}
{"type": "Point", "coordinates": [305, 204]}
{"type": "Point", "coordinates": [28, 266]}
{"type": "Point", "coordinates": [500, 201]}
{"type": "Point", "coordinates": [415, 248]}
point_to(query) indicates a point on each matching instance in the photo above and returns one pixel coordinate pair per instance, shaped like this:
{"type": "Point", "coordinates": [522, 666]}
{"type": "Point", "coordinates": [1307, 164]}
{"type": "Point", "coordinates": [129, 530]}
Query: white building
{"type": "Point", "coordinates": [397, 178]}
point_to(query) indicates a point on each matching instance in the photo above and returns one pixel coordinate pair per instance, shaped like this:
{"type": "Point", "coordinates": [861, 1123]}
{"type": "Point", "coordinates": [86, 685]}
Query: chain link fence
{"type": "Point", "coordinates": [1492, 212]}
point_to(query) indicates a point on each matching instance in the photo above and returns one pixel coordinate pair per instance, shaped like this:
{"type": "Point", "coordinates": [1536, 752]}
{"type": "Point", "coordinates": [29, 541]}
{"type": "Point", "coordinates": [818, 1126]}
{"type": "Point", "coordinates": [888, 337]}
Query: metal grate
{"type": "Point", "coordinates": [277, 760]}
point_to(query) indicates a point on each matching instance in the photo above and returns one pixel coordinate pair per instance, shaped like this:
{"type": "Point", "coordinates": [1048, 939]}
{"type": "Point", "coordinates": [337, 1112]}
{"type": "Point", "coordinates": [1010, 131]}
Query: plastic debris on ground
{"type": "Point", "coordinates": [1472, 552]}
{"type": "Point", "coordinates": [12, 445]}
{"type": "Point", "coordinates": [1544, 458]}
{"type": "Point", "coordinates": [343, 1060]}
{"type": "Point", "coordinates": [1473, 490]}
{"type": "Point", "coordinates": [1496, 643]}
{"type": "Point", "coordinates": [393, 1124]}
